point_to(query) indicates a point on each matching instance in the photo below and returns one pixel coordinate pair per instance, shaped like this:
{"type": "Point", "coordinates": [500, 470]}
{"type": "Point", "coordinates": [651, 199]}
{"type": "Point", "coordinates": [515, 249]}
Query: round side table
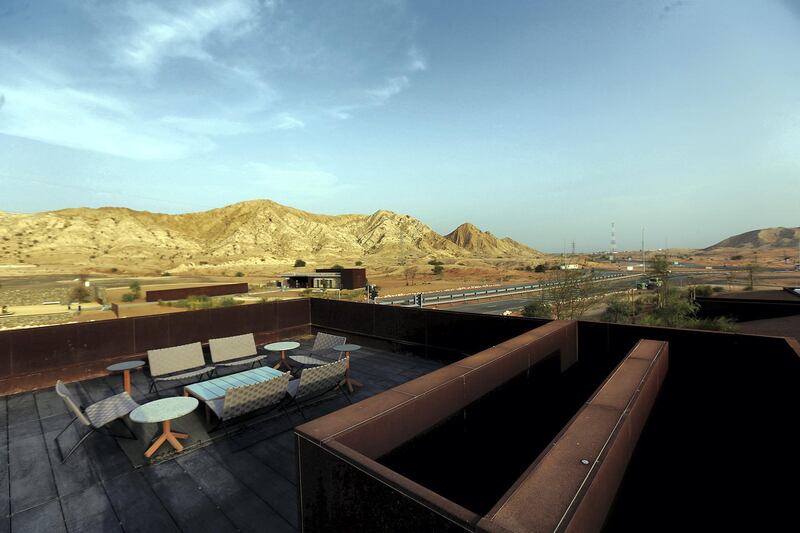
{"type": "Point", "coordinates": [165, 411]}
{"type": "Point", "coordinates": [126, 368]}
{"type": "Point", "coordinates": [282, 347]}
{"type": "Point", "coordinates": [346, 349]}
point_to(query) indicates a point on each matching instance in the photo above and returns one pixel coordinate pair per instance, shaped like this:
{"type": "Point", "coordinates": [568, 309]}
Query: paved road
{"type": "Point", "coordinates": [493, 308]}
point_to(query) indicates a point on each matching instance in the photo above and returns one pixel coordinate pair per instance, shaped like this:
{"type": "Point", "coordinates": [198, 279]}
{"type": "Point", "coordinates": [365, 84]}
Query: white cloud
{"type": "Point", "coordinates": [88, 121]}
{"type": "Point", "coordinates": [392, 87]}
{"type": "Point", "coordinates": [182, 32]}
{"type": "Point", "coordinates": [208, 125]}
{"type": "Point", "coordinates": [416, 60]}
{"type": "Point", "coordinates": [285, 121]}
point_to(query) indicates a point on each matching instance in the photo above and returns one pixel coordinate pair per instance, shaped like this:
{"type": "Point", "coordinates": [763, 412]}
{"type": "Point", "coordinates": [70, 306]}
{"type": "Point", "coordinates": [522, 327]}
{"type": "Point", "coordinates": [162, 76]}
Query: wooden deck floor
{"type": "Point", "coordinates": [246, 484]}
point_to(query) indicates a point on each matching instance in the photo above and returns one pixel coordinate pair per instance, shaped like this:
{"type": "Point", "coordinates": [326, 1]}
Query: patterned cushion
{"type": "Point", "coordinates": [175, 359]}
{"type": "Point", "coordinates": [184, 375]}
{"type": "Point", "coordinates": [243, 361]}
{"type": "Point", "coordinates": [241, 400]}
{"type": "Point", "coordinates": [104, 411]}
{"type": "Point", "coordinates": [63, 391]}
{"type": "Point", "coordinates": [324, 343]}
{"type": "Point", "coordinates": [320, 379]}
{"type": "Point", "coordinates": [236, 347]}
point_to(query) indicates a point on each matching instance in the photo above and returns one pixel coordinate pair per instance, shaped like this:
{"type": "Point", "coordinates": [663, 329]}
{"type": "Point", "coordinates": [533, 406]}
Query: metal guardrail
{"type": "Point", "coordinates": [476, 294]}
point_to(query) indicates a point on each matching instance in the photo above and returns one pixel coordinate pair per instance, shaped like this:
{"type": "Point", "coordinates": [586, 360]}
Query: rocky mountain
{"type": "Point", "coordinates": [471, 238]}
{"type": "Point", "coordinates": [762, 238]}
{"type": "Point", "coordinates": [253, 233]}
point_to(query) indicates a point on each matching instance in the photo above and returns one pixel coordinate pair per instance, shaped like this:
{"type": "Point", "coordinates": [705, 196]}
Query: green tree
{"type": "Point", "coordinates": [79, 293]}
{"type": "Point", "coordinates": [136, 288]}
{"type": "Point", "coordinates": [540, 268]}
{"type": "Point", "coordinates": [571, 294]}
{"type": "Point", "coordinates": [128, 297]}
{"type": "Point", "coordinates": [437, 269]}
{"type": "Point", "coordinates": [299, 263]}
{"type": "Point", "coordinates": [660, 268]}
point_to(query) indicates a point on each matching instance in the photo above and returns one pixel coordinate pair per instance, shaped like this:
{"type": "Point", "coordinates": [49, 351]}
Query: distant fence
{"type": "Point", "coordinates": [489, 292]}
{"type": "Point", "coordinates": [185, 292]}
{"type": "Point", "coordinates": [30, 350]}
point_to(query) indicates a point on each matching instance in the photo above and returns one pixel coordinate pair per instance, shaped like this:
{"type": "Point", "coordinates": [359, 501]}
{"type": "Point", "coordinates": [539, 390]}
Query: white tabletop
{"type": "Point", "coordinates": [282, 346]}
{"type": "Point", "coordinates": [164, 409]}
{"type": "Point", "coordinates": [347, 348]}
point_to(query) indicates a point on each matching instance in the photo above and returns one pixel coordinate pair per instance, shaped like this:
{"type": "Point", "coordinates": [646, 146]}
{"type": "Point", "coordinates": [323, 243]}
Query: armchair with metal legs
{"type": "Point", "coordinates": [95, 417]}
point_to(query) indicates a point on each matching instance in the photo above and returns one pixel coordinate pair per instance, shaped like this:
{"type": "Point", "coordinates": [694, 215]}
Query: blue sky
{"type": "Point", "coordinates": [543, 121]}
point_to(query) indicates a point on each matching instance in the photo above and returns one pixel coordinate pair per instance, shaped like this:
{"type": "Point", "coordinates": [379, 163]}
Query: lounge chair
{"type": "Point", "coordinates": [96, 416]}
{"type": "Point", "coordinates": [323, 347]}
{"type": "Point", "coordinates": [234, 351]}
{"type": "Point", "coordinates": [176, 363]}
{"type": "Point", "coordinates": [239, 401]}
{"type": "Point", "coordinates": [315, 382]}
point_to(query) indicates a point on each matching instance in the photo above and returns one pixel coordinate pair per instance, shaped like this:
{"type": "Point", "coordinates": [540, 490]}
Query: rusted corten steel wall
{"type": "Point", "coordinates": [572, 484]}
{"type": "Point", "coordinates": [185, 292]}
{"type": "Point", "coordinates": [437, 334]}
{"type": "Point", "coordinates": [343, 485]}
{"type": "Point", "coordinates": [36, 350]}
{"type": "Point", "coordinates": [721, 427]}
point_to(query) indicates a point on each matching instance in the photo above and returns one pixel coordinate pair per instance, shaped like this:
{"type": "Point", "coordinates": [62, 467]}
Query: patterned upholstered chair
{"type": "Point", "coordinates": [234, 351]}
{"type": "Point", "coordinates": [316, 382]}
{"type": "Point", "coordinates": [239, 401]}
{"type": "Point", "coordinates": [176, 363]}
{"type": "Point", "coordinates": [96, 416]}
{"type": "Point", "coordinates": [322, 349]}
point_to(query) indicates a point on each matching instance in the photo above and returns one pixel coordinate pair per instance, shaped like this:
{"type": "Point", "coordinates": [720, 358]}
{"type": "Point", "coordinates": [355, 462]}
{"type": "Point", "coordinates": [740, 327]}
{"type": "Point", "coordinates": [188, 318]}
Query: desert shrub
{"type": "Point", "coordinates": [437, 269]}
{"type": "Point", "coordinates": [703, 290]}
{"type": "Point", "coordinates": [540, 268]}
{"type": "Point", "coordinates": [736, 257]}
{"type": "Point", "coordinates": [128, 297]}
{"type": "Point", "coordinates": [717, 289]}
{"type": "Point", "coordinates": [359, 263]}
{"type": "Point", "coordinates": [226, 302]}
{"type": "Point", "coordinates": [537, 309]}
{"type": "Point", "coordinates": [165, 274]}
{"type": "Point", "coordinates": [619, 311]}
{"type": "Point", "coordinates": [338, 266]}
{"type": "Point", "coordinates": [240, 274]}
{"type": "Point", "coordinates": [299, 263]}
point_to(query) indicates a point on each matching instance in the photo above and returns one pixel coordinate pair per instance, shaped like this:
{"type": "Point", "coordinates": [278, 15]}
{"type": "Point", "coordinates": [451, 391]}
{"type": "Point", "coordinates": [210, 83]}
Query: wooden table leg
{"type": "Point", "coordinates": [126, 381]}
{"type": "Point", "coordinates": [347, 379]}
{"type": "Point", "coordinates": [282, 362]}
{"type": "Point", "coordinates": [169, 436]}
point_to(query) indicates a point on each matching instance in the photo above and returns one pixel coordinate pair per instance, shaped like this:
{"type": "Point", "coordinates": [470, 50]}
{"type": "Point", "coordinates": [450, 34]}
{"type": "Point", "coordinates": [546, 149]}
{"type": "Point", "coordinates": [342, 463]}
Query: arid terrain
{"type": "Point", "coordinates": [42, 255]}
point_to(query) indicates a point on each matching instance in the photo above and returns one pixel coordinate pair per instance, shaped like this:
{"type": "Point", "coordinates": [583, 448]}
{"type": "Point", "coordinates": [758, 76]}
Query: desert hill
{"type": "Point", "coordinates": [252, 233]}
{"type": "Point", "coordinates": [479, 242]}
{"type": "Point", "coordinates": [761, 238]}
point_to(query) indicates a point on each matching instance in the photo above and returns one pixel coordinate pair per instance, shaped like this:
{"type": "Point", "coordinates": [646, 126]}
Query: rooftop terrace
{"type": "Point", "coordinates": [706, 439]}
{"type": "Point", "coordinates": [244, 484]}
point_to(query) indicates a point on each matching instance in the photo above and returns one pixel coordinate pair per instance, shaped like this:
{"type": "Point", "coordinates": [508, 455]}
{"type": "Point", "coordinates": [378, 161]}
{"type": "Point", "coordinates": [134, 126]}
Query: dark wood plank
{"type": "Point", "coordinates": [48, 403]}
{"type": "Point", "coordinates": [89, 511]}
{"type": "Point", "coordinates": [76, 474]}
{"type": "Point", "coordinates": [45, 518]}
{"type": "Point", "coordinates": [240, 504]}
{"type": "Point", "coordinates": [21, 409]}
{"type": "Point", "coordinates": [186, 503]}
{"type": "Point", "coordinates": [275, 490]}
{"type": "Point", "coordinates": [28, 467]}
{"type": "Point", "coordinates": [136, 504]}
